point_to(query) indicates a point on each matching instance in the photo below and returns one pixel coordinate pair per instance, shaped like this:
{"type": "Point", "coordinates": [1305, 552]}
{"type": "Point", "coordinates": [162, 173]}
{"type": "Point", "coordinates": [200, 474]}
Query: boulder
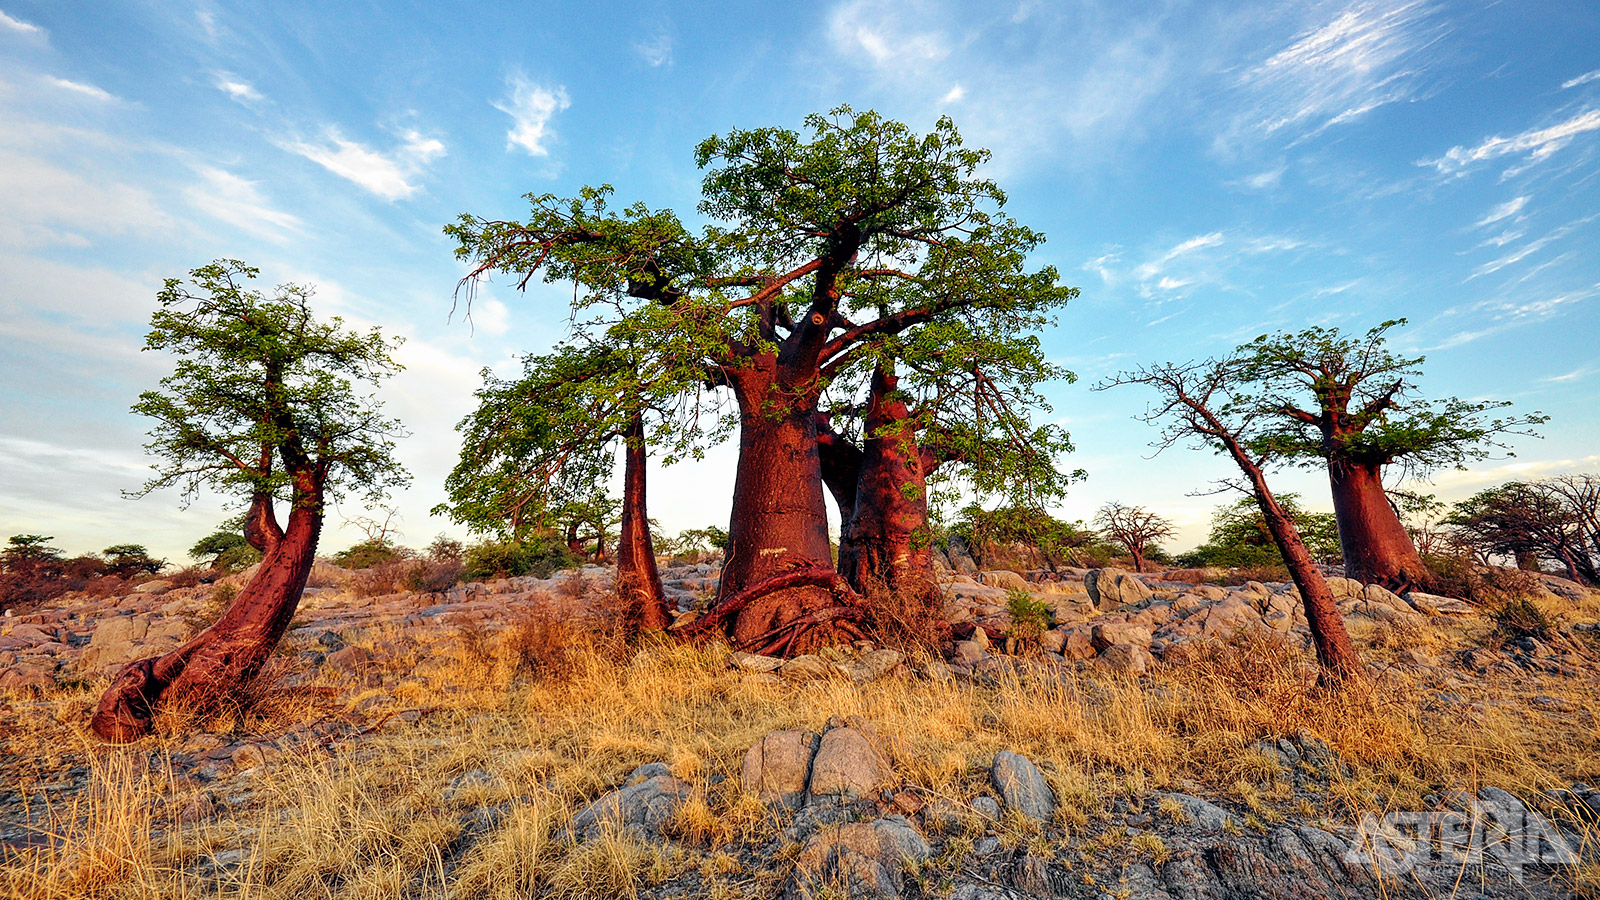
{"type": "Point", "coordinates": [1006, 580]}
{"type": "Point", "coordinates": [1022, 786]}
{"type": "Point", "coordinates": [848, 765]}
{"type": "Point", "coordinates": [1126, 659]}
{"type": "Point", "coordinates": [864, 859]}
{"type": "Point", "coordinates": [1111, 589]}
{"type": "Point", "coordinates": [752, 662]}
{"type": "Point", "coordinates": [1201, 815]}
{"type": "Point", "coordinates": [1435, 605]}
{"type": "Point", "coordinates": [1108, 634]}
{"type": "Point", "coordinates": [808, 667]}
{"type": "Point", "coordinates": [641, 808]}
{"type": "Point", "coordinates": [778, 767]}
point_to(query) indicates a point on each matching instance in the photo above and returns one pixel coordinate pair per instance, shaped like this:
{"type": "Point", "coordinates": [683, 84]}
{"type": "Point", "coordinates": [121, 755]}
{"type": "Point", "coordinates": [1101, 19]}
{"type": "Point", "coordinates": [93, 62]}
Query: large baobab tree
{"type": "Point", "coordinates": [1134, 527]}
{"type": "Point", "coordinates": [1201, 402]}
{"type": "Point", "coordinates": [262, 404]}
{"type": "Point", "coordinates": [1350, 403]}
{"type": "Point", "coordinates": [819, 247]}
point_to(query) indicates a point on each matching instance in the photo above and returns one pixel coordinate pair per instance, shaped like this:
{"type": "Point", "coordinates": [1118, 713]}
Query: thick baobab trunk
{"type": "Point", "coordinates": [217, 664]}
{"type": "Point", "coordinates": [638, 580]}
{"type": "Point", "coordinates": [1377, 548]}
{"type": "Point", "coordinates": [889, 522]}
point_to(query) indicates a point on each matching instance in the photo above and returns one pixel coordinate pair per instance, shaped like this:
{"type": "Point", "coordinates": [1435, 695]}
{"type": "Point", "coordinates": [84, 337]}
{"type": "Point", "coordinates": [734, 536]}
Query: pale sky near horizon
{"type": "Point", "coordinates": [1204, 172]}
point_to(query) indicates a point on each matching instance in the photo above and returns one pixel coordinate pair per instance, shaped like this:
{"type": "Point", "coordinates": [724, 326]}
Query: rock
{"type": "Point", "coordinates": [967, 653]}
{"type": "Point", "coordinates": [985, 806]}
{"type": "Point", "coordinates": [848, 765]}
{"type": "Point", "coordinates": [1052, 641]}
{"type": "Point", "coordinates": [27, 680]}
{"type": "Point", "coordinates": [1112, 633]}
{"type": "Point", "coordinates": [248, 756]}
{"type": "Point", "coordinates": [865, 859]}
{"type": "Point", "coordinates": [936, 670]}
{"type": "Point", "coordinates": [1202, 815]}
{"type": "Point", "coordinates": [808, 667]}
{"type": "Point", "coordinates": [1435, 605]}
{"type": "Point", "coordinates": [1110, 589]}
{"type": "Point", "coordinates": [1009, 581]}
{"type": "Point", "coordinates": [350, 659]}
{"type": "Point", "coordinates": [1414, 657]}
{"type": "Point", "coordinates": [1031, 875]}
{"type": "Point", "coordinates": [641, 808]}
{"type": "Point", "coordinates": [753, 662]}
{"type": "Point", "coordinates": [778, 767]}
{"type": "Point", "coordinates": [1078, 644]}
{"type": "Point", "coordinates": [1022, 786]}
{"type": "Point", "coordinates": [468, 783]}
{"type": "Point", "coordinates": [1126, 659]}
{"type": "Point", "coordinates": [879, 663]}
{"type": "Point", "coordinates": [154, 588]}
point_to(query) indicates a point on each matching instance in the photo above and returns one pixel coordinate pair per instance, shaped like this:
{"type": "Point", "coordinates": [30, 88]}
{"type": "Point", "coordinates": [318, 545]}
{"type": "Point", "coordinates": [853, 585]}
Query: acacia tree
{"type": "Point", "coordinates": [820, 246]}
{"type": "Point", "coordinates": [1239, 534]}
{"type": "Point", "coordinates": [261, 403]}
{"type": "Point", "coordinates": [1134, 527]}
{"type": "Point", "coordinates": [1202, 402]}
{"type": "Point", "coordinates": [1364, 416]}
{"type": "Point", "coordinates": [1556, 519]}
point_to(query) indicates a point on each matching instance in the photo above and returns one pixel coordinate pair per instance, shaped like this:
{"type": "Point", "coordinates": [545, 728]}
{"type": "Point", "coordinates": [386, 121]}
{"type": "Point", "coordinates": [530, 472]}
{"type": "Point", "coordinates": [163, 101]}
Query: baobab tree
{"type": "Point", "coordinates": [1556, 519]}
{"type": "Point", "coordinates": [1362, 417]}
{"type": "Point", "coordinates": [1134, 527]}
{"type": "Point", "coordinates": [261, 404]}
{"type": "Point", "coordinates": [819, 247]}
{"type": "Point", "coordinates": [1200, 402]}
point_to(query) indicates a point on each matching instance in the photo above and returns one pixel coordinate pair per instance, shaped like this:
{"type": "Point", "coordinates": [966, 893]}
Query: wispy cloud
{"type": "Point", "coordinates": [235, 200]}
{"type": "Point", "coordinates": [531, 107]}
{"type": "Point", "coordinates": [236, 87]}
{"type": "Point", "coordinates": [887, 33]}
{"type": "Point", "coordinates": [78, 87]}
{"type": "Point", "coordinates": [1530, 248]}
{"type": "Point", "coordinates": [1366, 57]}
{"type": "Point", "coordinates": [18, 25]}
{"type": "Point", "coordinates": [1585, 78]}
{"type": "Point", "coordinates": [1509, 313]}
{"type": "Point", "coordinates": [1199, 242]}
{"type": "Point", "coordinates": [655, 50]}
{"type": "Point", "coordinates": [1537, 143]}
{"type": "Point", "coordinates": [1503, 211]}
{"type": "Point", "coordinates": [389, 175]}
{"type": "Point", "coordinates": [1581, 372]}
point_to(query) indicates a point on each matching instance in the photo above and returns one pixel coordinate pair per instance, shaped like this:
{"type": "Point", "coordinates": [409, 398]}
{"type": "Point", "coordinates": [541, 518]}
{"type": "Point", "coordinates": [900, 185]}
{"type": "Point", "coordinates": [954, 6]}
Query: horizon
{"type": "Point", "coordinates": [1203, 175]}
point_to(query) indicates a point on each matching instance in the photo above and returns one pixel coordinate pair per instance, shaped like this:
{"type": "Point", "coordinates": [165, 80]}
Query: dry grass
{"type": "Point", "coordinates": [557, 722]}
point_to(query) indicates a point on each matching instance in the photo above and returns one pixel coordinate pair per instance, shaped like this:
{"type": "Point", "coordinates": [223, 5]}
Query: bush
{"type": "Point", "coordinates": [1518, 618]}
{"type": "Point", "coordinates": [440, 569]}
{"type": "Point", "coordinates": [538, 556]}
{"type": "Point", "coordinates": [1030, 616]}
{"type": "Point", "coordinates": [369, 553]}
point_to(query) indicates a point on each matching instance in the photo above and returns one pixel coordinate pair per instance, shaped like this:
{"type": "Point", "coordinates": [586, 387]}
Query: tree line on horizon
{"type": "Point", "coordinates": [859, 310]}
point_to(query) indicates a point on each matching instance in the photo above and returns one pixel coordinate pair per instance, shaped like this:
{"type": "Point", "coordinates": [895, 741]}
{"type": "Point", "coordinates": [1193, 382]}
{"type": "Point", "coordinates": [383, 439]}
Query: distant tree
{"type": "Point", "coordinates": [1363, 415]}
{"type": "Point", "coordinates": [30, 571]}
{"type": "Point", "coordinates": [126, 560]}
{"type": "Point", "coordinates": [1202, 402]}
{"type": "Point", "coordinates": [260, 404]}
{"type": "Point", "coordinates": [989, 531]}
{"type": "Point", "coordinates": [1134, 527]}
{"type": "Point", "coordinates": [1240, 537]}
{"type": "Point", "coordinates": [1556, 519]}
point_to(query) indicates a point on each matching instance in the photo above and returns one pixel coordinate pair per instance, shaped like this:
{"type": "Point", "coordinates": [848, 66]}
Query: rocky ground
{"type": "Point", "coordinates": [844, 809]}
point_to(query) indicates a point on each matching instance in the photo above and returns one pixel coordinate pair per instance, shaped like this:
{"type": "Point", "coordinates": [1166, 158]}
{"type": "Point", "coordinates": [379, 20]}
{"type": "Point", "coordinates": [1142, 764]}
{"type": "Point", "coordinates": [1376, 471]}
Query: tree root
{"type": "Point", "coordinates": [780, 640]}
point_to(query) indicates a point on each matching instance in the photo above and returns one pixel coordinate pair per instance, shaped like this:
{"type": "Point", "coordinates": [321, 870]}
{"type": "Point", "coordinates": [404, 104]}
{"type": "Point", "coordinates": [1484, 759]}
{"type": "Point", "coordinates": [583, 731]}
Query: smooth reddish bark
{"type": "Point", "coordinates": [1376, 546]}
{"type": "Point", "coordinates": [638, 579]}
{"type": "Point", "coordinates": [218, 662]}
{"type": "Point", "coordinates": [888, 522]}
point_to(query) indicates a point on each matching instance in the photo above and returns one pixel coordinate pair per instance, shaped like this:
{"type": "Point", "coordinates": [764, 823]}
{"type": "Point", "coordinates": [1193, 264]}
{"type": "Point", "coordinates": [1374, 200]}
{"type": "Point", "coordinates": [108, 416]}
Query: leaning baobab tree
{"type": "Point", "coordinates": [821, 246]}
{"type": "Point", "coordinates": [260, 404]}
{"type": "Point", "coordinates": [1362, 417]}
{"type": "Point", "coordinates": [1134, 527]}
{"type": "Point", "coordinates": [1200, 402]}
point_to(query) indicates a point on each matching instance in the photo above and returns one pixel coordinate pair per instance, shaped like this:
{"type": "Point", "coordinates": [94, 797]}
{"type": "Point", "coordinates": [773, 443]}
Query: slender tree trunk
{"type": "Point", "coordinates": [638, 580]}
{"type": "Point", "coordinates": [219, 663]}
{"type": "Point", "coordinates": [779, 520]}
{"type": "Point", "coordinates": [1138, 561]}
{"type": "Point", "coordinates": [1377, 549]}
{"type": "Point", "coordinates": [889, 523]}
{"type": "Point", "coordinates": [840, 462]}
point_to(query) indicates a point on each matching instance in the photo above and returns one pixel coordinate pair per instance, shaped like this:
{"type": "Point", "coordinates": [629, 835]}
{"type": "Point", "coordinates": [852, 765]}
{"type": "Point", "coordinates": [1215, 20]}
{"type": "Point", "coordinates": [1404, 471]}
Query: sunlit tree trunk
{"type": "Point", "coordinates": [1377, 548]}
{"type": "Point", "coordinates": [638, 579]}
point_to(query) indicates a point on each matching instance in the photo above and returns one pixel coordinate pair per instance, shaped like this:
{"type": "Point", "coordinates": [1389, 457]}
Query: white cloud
{"type": "Point", "coordinates": [1537, 143]}
{"type": "Point", "coordinates": [1585, 78]}
{"type": "Point", "coordinates": [879, 29]}
{"type": "Point", "coordinates": [1503, 211]}
{"type": "Point", "coordinates": [488, 315]}
{"type": "Point", "coordinates": [531, 107]}
{"type": "Point", "coordinates": [1335, 73]}
{"type": "Point", "coordinates": [390, 176]}
{"type": "Point", "coordinates": [1199, 242]}
{"type": "Point", "coordinates": [236, 88]}
{"type": "Point", "coordinates": [656, 50]}
{"type": "Point", "coordinates": [1529, 248]}
{"type": "Point", "coordinates": [1168, 283]}
{"type": "Point", "coordinates": [42, 197]}
{"type": "Point", "coordinates": [235, 200]}
{"type": "Point", "coordinates": [954, 96]}
{"type": "Point", "coordinates": [78, 87]}
{"type": "Point", "coordinates": [18, 25]}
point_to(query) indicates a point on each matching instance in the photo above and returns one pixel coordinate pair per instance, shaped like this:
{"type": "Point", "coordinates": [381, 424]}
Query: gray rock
{"type": "Point", "coordinates": [1126, 659]}
{"type": "Point", "coordinates": [778, 767]}
{"type": "Point", "coordinates": [879, 663]}
{"type": "Point", "coordinates": [1111, 589]}
{"type": "Point", "coordinates": [857, 859]}
{"type": "Point", "coordinates": [848, 765]}
{"type": "Point", "coordinates": [1107, 634]}
{"type": "Point", "coordinates": [1203, 815]}
{"type": "Point", "coordinates": [753, 662]}
{"type": "Point", "coordinates": [1022, 786]}
{"type": "Point", "coordinates": [646, 772]}
{"type": "Point", "coordinates": [967, 653]}
{"type": "Point", "coordinates": [985, 806]}
{"type": "Point", "coordinates": [641, 808]}
{"type": "Point", "coordinates": [808, 667]}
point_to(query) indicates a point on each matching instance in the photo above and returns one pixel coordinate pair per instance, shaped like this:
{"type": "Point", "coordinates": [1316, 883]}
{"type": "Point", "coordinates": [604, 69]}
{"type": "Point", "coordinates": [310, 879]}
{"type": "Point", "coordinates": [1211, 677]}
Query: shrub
{"type": "Point", "coordinates": [1518, 618]}
{"type": "Point", "coordinates": [440, 569]}
{"type": "Point", "coordinates": [538, 556]}
{"type": "Point", "coordinates": [1030, 616]}
{"type": "Point", "coordinates": [369, 553]}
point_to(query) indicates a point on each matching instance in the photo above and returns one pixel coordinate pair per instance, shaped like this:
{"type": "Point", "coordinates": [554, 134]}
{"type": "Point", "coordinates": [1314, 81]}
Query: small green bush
{"type": "Point", "coordinates": [1030, 617]}
{"type": "Point", "coordinates": [537, 556]}
{"type": "Point", "coordinates": [369, 553]}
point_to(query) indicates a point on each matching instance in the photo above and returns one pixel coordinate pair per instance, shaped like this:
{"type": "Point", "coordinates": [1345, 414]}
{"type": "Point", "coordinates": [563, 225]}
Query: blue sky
{"type": "Point", "coordinates": [1204, 172]}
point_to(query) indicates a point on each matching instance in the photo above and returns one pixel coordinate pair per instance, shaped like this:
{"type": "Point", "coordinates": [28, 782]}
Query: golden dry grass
{"type": "Point", "coordinates": [378, 817]}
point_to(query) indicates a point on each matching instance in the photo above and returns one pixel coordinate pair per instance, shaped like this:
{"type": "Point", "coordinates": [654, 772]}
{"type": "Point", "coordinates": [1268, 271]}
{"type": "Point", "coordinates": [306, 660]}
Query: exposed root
{"type": "Point", "coordinates": [782, 639]}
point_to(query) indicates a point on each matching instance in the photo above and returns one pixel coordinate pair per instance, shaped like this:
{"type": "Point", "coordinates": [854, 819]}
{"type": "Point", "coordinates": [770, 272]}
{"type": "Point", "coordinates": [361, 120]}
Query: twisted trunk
{"type": "Point", "coordinates": [1377, 549]}
{"type": "Point", "coordinates": [638, 580]}
{"type": "Point", "coordinates": [218, 664]}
